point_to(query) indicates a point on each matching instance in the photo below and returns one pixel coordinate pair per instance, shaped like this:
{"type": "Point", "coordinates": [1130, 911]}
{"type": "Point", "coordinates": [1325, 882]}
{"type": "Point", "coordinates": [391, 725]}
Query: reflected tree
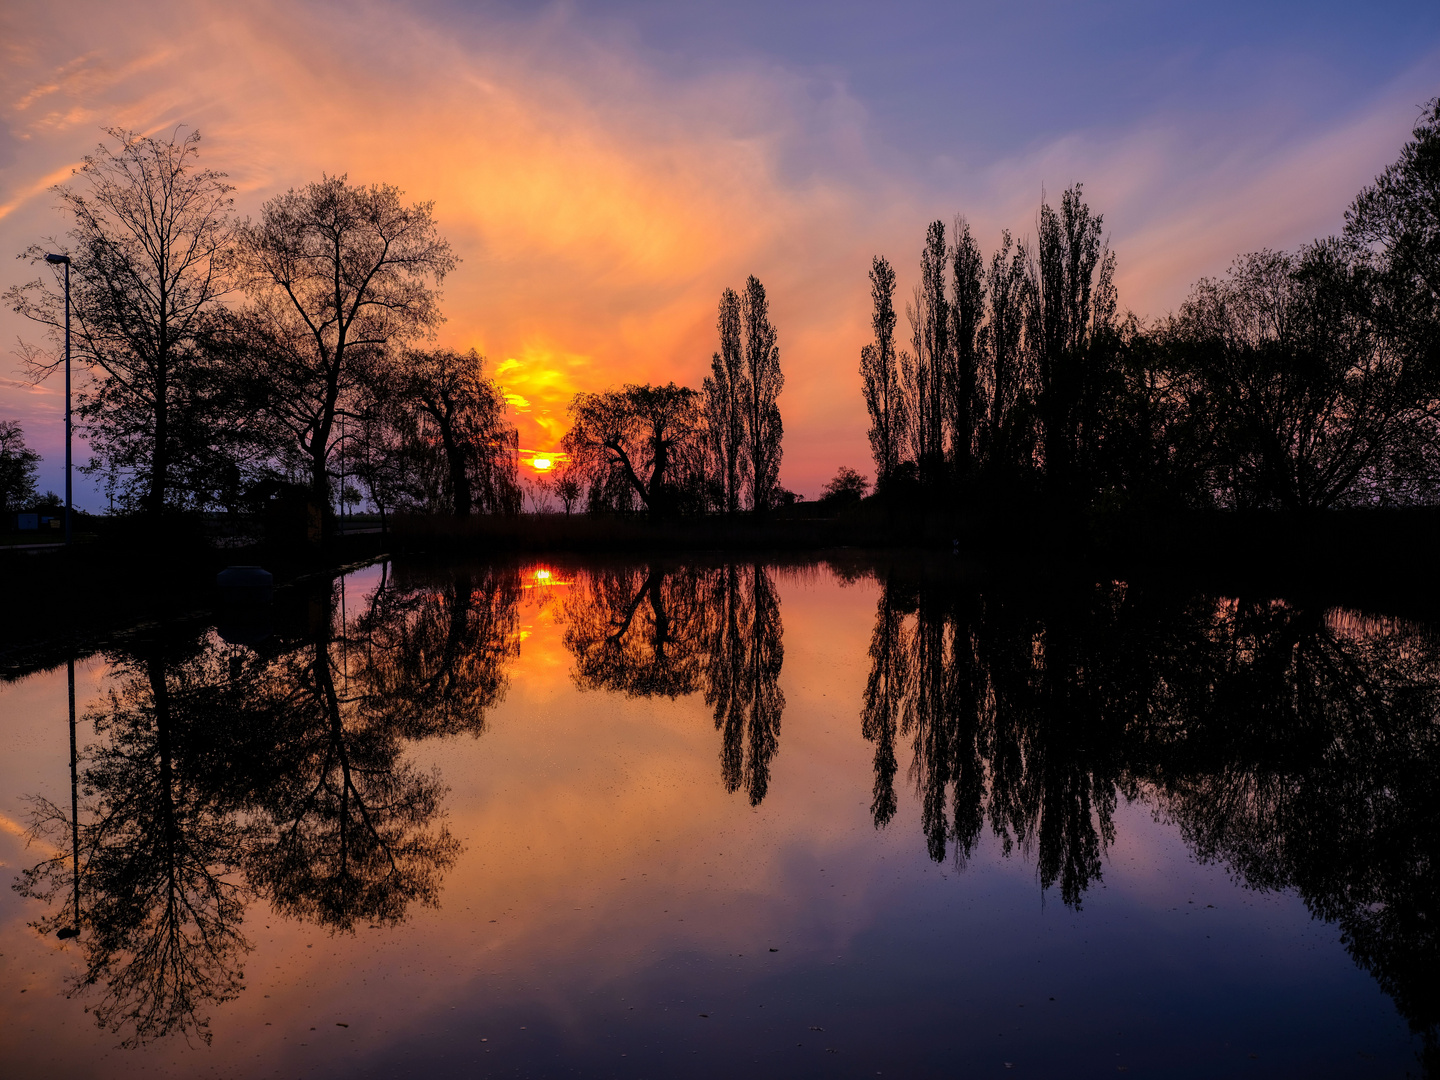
{"type": "Point", "coordinates": [160, 848]}
{"type": "Point", "coordinates": [221, 774]}
{"type": "Point", "coordinates": [1313, 768]}
{"type": "Point", "coordinates": [1298, 747]}
{"type": "Point", "coordinates": [352, 831]}
{"type": "Point", "coordinates": [433, 660]}
{"type": "Point", "coordinates": [670, 632]}
{"type": "Point", "coordinates": [744, 652]}
{"type": "Point", "coordinates": [635, 631]}
{"type": "Point", "coordinates": [997, 697]}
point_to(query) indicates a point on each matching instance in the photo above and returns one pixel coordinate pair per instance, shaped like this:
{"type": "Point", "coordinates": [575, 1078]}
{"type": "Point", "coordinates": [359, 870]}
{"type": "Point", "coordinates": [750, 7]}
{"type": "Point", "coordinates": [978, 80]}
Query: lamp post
{"type": "Point", "coordinates": [65, 260]}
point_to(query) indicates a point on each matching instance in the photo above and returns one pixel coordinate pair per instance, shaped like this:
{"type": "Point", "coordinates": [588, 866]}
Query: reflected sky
{"type": "Point", "coordinates": [567, 753]}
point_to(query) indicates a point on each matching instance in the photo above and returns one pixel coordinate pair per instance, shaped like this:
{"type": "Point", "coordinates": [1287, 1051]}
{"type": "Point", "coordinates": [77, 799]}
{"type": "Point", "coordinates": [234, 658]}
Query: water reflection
{"type": "Point", "coordinates": [221, 774]}
{"type": "Point", "coordinates": [160, 847]}
{"type": "Point", "coordinates": [1295, 745]}
{"type": "Point", "coordinates": [1299, 748]}
{"type": "Point", "coordinates": [670, 631]}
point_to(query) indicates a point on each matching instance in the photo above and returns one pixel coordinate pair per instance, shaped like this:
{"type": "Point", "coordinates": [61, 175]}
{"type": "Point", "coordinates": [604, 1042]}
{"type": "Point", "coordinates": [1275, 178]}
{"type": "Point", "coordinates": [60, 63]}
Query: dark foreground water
{"type": "Point", "coordinates": [583, 819]}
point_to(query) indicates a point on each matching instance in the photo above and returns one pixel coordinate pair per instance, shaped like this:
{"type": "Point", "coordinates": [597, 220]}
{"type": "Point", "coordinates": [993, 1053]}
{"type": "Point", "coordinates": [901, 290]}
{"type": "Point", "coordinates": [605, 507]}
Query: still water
{"type": "Point", "coordinates": [702, 819]}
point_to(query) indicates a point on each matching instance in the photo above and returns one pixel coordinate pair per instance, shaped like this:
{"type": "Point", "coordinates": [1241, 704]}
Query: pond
{"type": "Point", "coordinates": [689, 818]}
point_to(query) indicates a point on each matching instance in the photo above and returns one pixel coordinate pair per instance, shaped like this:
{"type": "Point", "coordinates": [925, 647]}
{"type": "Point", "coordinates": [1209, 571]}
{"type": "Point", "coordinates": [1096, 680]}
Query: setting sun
{"type": "Point", "coordinates": [542, 464]}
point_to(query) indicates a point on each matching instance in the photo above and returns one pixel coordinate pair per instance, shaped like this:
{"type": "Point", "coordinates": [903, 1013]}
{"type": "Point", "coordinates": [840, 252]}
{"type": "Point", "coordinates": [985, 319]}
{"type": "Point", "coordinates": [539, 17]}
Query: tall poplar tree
{"type": "Point", "coordinates": [1007, 364]}
{"type": "Point", "coordinates": [725, 392]}
{"type": "Point", "coordinates": [880, 370]}
{"type": "Point", "coordinates": [763, 383]}
{"type": "Point", "coordinates": [967, 310]}
{"type": "Point", "coordinates": [1070, 250]}
{"type": "Point", "coordinates": [924, 374]}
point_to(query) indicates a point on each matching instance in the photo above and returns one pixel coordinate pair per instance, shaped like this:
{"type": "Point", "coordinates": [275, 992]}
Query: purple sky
{"type": "Point", "coordinates": [606, 169]}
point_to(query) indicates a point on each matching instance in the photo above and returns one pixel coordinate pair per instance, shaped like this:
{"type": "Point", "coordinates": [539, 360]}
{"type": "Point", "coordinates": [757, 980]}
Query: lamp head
{"type": "Point", "coordinates": [57, 259]}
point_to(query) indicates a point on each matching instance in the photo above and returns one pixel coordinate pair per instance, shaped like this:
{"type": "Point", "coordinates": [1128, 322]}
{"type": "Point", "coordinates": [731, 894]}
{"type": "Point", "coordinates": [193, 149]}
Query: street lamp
{"type": "Point", "coordinates": [57, 260]}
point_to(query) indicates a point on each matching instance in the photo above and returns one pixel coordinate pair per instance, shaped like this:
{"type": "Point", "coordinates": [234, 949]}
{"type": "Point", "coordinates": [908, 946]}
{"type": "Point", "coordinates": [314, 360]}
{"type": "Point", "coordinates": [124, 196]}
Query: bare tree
{"type": "Point", "coordinates": [564, 482]}
{"type": "Point", "coordinates": [338, 275]}
{"type": "Point", "coordinates": [148, 265]}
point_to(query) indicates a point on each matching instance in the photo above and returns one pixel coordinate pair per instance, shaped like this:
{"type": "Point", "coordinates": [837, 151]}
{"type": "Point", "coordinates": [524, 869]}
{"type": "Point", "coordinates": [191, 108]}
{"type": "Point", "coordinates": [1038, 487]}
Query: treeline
{"type": "Point", "coordinates": [236, 361]}
{"type": "Point", "coordinates": [1298, 381]}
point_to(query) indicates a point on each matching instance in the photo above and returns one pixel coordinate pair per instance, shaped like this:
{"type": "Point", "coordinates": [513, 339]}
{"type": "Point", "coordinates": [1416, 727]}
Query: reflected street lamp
{"type": "Point", "coordinates": [65, 260]}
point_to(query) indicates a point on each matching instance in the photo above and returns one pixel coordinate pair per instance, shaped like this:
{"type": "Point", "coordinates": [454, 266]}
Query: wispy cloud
{"type": "Point", "coordinates": [601, 200]}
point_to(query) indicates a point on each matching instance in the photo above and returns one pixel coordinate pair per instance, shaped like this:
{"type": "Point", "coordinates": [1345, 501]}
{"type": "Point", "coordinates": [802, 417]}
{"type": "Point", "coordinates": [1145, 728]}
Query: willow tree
{"type": "Point", "coordinates": [641, 439]}
{"type": "Point", "coordinates": [147, 249]}
{"type": "Point", "coordinates": [339, 276]}
{"type": "Point", "coordinates": [457, 441]}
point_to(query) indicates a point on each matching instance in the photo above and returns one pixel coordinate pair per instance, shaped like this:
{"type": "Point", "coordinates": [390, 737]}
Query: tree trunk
{"type": "Point", "coordinates": [160, 456]}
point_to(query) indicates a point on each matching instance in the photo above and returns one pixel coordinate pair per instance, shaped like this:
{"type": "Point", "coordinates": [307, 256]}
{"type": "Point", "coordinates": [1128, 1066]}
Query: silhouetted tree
{"type": "Point", "coordinates": [646, 439]}
{"type": "Point", "coordinates": [761, 388]}
{"type": "Point", "coordinates": [726, 391]}
{"type": "Point", "coordinates": [1075, 301]}
{"type": "Point", "coordinates": [338, 275]}
{"type": "Point", "coordinates": [1398, 218]}
{"type": "Point", "coordinates": [880, 369]}
{"type": "Point", "coordinates": [966, 312]}
{"type": "Point", "coordinates": [564, 482]}
{"type": "Point", "coordinates": [846, 488]}
{"type": "Point", "coordinates": [924, 372]}
{"type": "Point", "coordinates": [17, 468]}
{"type": "Point", "coordinates": [148, 266]}
{"type": "Point", "coordinates": [1302, 403]}
{"type": "Point", "coordinates": [1008, 365]}
{"type": "Point", "coordinates": [452, 430]}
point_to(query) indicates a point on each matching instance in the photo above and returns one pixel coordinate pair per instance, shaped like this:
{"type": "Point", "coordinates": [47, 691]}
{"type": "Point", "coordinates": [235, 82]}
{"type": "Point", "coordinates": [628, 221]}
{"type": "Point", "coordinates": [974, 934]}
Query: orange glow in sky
{"type": "Point", "coordinates": [599, 201]}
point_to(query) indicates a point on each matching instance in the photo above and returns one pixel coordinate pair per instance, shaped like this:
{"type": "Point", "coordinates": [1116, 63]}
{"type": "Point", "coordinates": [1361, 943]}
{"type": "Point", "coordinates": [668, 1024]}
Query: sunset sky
{"type": "Point", "coordinates": [604, 170]}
